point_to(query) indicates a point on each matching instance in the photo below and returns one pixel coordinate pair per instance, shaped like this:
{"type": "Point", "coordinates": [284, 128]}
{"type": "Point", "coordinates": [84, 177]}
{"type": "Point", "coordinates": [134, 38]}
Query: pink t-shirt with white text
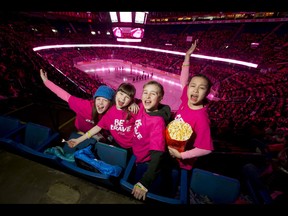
{"type": "Point", "coordinates": [149, 134]}
{"type": "Point", "coordinates": [120, 129]}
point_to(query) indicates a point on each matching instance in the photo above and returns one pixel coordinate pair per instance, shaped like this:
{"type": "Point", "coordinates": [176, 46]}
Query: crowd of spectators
{"type": "Point", "coordinates": [249, 97]}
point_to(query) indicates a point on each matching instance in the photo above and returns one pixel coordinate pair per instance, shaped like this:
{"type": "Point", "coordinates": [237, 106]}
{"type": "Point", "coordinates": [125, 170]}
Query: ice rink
{"type": "Point", "coordinates": [115, 72]}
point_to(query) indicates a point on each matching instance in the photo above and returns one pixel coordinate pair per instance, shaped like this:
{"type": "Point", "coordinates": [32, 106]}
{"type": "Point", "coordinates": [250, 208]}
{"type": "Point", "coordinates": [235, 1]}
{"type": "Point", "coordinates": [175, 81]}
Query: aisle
{"type": "Point", "coordinates": [24, 181]}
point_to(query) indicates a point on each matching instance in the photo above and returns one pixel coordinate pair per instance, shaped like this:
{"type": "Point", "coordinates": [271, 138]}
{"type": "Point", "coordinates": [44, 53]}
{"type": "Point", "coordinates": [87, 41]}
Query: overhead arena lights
{"type": "Point", "coordinates": [214, 58]}
{"type": "Point", "coordinates": [128, 25]}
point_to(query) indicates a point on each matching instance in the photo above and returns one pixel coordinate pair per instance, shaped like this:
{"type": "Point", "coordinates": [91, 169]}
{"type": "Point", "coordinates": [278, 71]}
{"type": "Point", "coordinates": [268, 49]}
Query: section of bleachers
{"type": "Point", "coordinates": [9, 125]}
{"type": "Point", "coordinates": [32, 140]}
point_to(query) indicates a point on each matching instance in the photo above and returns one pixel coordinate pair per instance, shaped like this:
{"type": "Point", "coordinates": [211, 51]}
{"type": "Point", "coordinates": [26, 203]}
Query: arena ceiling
{"type": "Point", "coordinates": [160, 17]}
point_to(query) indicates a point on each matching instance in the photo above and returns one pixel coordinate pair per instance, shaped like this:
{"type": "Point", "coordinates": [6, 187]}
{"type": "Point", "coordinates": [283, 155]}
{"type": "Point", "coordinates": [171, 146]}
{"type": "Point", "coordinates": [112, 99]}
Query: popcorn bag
{"type": "Point", "coordinates": [177, 134]}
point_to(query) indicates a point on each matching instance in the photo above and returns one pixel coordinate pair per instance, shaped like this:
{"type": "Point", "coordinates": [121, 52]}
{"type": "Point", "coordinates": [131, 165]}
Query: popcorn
{"type": "Point", "coordinates": [177, 134]}
{"type": "Point", "coordinates": [179, 130]}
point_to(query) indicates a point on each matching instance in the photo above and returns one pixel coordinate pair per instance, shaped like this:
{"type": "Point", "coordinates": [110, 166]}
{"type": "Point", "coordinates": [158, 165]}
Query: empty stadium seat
{"type": "Point", "coordinates": [32, 140]}
{"type": "Point", "coordinates": [219, 189]}
{"type": "Point", "coordinates": [9, 125]}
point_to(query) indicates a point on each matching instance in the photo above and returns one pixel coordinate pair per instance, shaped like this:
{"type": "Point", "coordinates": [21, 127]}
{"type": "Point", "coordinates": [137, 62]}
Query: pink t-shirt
{"type": "Point", "coordinates": [200, 123]}
{"type": "Point", "coordinates": [149, 134]}
{"type": "Point", "coordinates": [120, 129]}
{"type": "Point", "coordinates": [83, 109]}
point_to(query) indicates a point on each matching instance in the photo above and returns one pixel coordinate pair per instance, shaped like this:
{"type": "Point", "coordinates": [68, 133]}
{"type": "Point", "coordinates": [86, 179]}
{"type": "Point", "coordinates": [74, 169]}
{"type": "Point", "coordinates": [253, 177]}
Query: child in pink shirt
{"type": "Point", "coordinates": [149, 144]}
{"type": "Point", "coordinates": [192, 110]}
{"type": "Point", "coordinates": [88, 112]}
{"type": "Point", "coordinates": [118, 120]}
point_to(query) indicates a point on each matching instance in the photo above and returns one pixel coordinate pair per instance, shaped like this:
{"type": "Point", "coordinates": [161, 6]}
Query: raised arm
{"type": "Point", "coordinates": [185, 66]}
{"type": "Point", "coordinates": [61, 93]}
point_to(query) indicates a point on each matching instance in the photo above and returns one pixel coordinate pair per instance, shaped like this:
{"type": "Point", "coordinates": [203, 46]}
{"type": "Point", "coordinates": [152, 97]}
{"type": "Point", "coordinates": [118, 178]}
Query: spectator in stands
{"type": "Point", "coordinates": [268, 184]}
{"type": "Point", "coordinates": [192, 110]}
{"type": "Point", "coordinates": [149, 145]}
{"type": "Point", "coordinates": [88, 112]}
{"type": "Point", "coordinates": [119, 120]}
